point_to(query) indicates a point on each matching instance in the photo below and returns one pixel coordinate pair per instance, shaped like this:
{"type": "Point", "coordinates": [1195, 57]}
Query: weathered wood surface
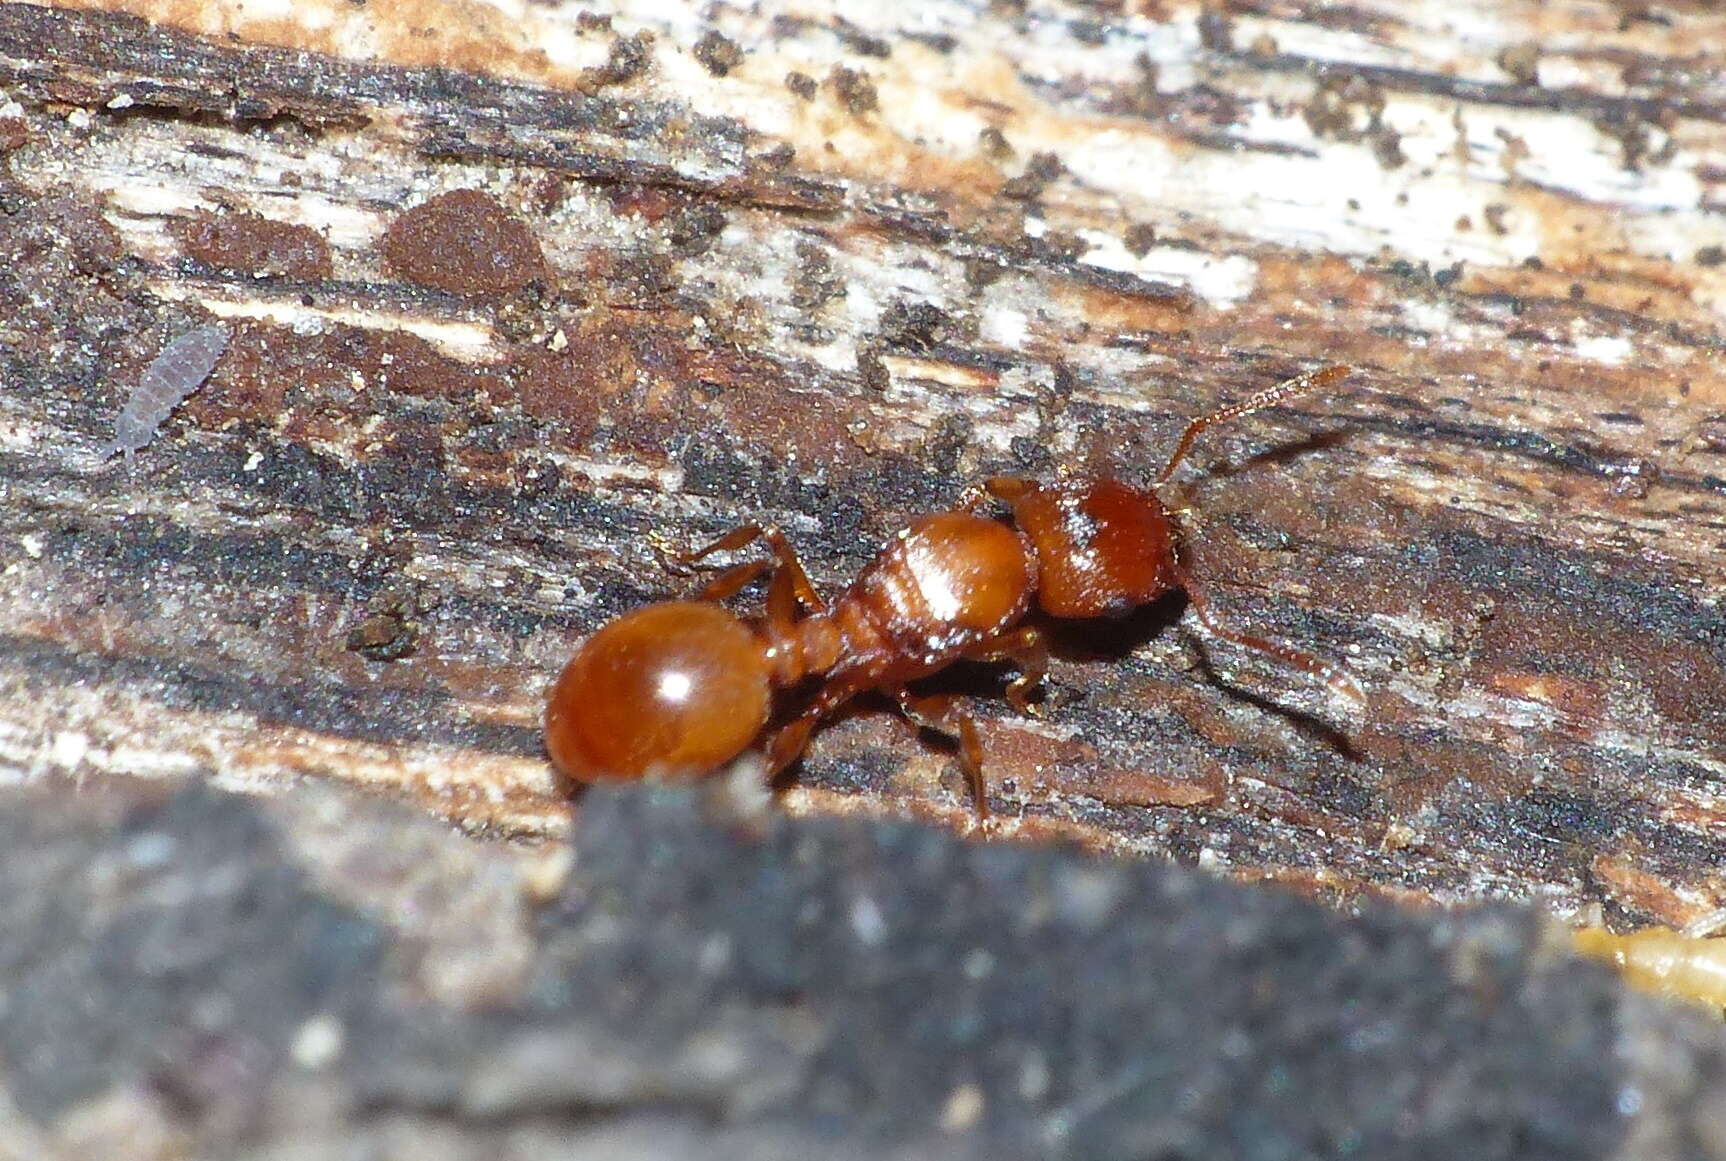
{"type": "Point", "coordinates": [736, 263]}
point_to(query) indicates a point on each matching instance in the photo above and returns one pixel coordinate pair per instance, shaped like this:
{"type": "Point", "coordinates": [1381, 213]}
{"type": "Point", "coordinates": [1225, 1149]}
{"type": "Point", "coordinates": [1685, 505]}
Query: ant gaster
{"type": "Point", "coordinates": [683, 687]}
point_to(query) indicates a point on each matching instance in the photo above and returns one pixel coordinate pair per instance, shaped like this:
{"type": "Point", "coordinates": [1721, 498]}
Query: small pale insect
{"type": "Point", "coordinates": [1663, 961]}
{"type": "Point", "coordinates": [174, 374]}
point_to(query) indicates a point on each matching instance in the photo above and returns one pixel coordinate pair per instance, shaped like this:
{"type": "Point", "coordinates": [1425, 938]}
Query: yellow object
{"type": "Point", "coordinates": [1663, 961]}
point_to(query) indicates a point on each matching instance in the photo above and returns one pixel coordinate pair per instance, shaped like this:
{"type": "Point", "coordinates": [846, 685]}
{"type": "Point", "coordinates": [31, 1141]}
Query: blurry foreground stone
{"type": "Point", "coordinates": [189, 973]}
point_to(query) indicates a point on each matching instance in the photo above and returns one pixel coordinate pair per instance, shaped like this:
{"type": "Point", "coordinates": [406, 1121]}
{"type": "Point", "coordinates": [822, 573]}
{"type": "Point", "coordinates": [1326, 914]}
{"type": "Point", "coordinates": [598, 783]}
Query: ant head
{"type": "Point", "coordinates": [678, 688]}
{"type": "Point", "coordinates": [1103, 548]}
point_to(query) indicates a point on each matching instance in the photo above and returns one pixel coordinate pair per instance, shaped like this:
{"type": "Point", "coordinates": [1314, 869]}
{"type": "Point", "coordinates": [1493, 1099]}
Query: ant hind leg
{"type": "Point", "coordinates": [790, 740]}
{"type": "Point", "coordinates": [732, 580]}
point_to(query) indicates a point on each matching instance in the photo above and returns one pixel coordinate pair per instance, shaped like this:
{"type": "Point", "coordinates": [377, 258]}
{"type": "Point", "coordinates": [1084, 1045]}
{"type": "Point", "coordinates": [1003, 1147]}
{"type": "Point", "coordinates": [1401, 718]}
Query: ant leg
{"type": "Point", "coordinates": [1026, 648]}
{"type": "Point", "coordinates": [1007, 489]}
{"type": "Point", "coordinates": [789, 742]}
{"type": "Point", "coordinates": [1334, 676]}
{"type": "Point", "coordinates": [1270, 396]}
{"type": "Point", "coordinates": [939, 712]}
{"type": "Point", "coordinates": [733, 579]}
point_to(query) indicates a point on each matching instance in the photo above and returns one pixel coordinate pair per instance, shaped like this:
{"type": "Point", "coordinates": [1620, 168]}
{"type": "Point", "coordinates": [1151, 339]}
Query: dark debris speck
{"type": "Point", "coordinates": [718, 53]}
{"type": "Point", "coordinates": [854, 89]}
{"type": "Point", "coordinates": [914, 326]}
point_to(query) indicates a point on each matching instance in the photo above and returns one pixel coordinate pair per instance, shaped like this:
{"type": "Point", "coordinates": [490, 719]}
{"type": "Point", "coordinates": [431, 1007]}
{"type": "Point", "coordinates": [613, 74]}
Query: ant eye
{"type": "Point", "coordinates": [677, 688]}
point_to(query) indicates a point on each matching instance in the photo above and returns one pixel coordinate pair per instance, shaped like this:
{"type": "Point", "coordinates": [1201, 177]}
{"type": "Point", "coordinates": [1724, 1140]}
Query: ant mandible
{"type": "Point", "coordinates": [684, 687]}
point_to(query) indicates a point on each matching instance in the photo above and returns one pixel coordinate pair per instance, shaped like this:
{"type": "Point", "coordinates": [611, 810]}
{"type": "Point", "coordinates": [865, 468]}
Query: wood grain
{"type": "Point", "coordinates": [730, 263]}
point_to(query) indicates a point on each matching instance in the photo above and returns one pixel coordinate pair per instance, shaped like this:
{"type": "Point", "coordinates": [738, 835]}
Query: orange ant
{"type": "Point", "coordinates": [683, 687]}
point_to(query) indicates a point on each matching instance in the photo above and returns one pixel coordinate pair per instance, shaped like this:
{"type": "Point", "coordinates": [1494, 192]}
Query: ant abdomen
{"type": "Point", "coordinates": [678, 688]}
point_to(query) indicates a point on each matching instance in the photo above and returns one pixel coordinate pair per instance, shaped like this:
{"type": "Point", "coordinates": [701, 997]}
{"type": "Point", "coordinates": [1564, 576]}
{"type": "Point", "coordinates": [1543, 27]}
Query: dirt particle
{"type": "Point", "coordinates": [248, 243]}
{"type": "Point", "coordinates": [630, 56]}
{"type": "Point", "coordinates": [1040, 170]}
{"type": "Point", "coordinates": [1633, 480]}
{"type": "Point", "coordinates": [854, 89]}
{"type": "Point", "coordinates": [1142, 95]}
{"type": "Point", "coordinates": [1515, 151]}
{"type": "Point", "coordinates": [1063, 246]}
{"type": "Point", "coordinates": [801, 84]}
{"type": "Point", "coordinates": [718, 53]}
{"type": "Point", "coordinates": [946, 443]}
{"type": "Point", "coordinates": [521, 316]}
{"type": "Point", "coordinates": [1711, 256]}
{"type": "Point", "coordinates": [463, 242]}
{"type": "Point", "coordinates": [778, 158]}
{"type": "Point", "coordinates": [873, 372]}
{"type": "Point", "coordinates": [692, 229]}
{"type": "Point", "coordinates": [981, 273]}
{"type": "Point", "coordinates": [1139, 239]}
{"type": "Point", "coordinates": [1215, 32]}
{"type": "Point", "coordinates": [640, 279]}
{"type": "Point", "coordinates": [861, 42]}
{"type": "Point", "coordinates": [1522, 62]}
{"type": "Point", "coordinates": [1030, 455]}
{"type": "Point", "coordinates": [1093, 32]}
{"type": "Point", "coordinates": [914, 326]}
{"type": "Point", "coordinates": [1495, 215]}
{"type": "Point", "coordinates": [1387, 148]}
{"type": "Point", "coordinates": [994, 144]}
{"type": "Point", "coordinates": [1635, 137]}
{"type": "Point", "coordinates": [1711, 434]}
{"type": "Point", "coordinates": [814, 284]}
{"type": "Point", "coordinates": [14, 134]}
{"type": "Point", "coordinates": [1345, 108]}
{"type": "Point", "coordinates": [391, 628]}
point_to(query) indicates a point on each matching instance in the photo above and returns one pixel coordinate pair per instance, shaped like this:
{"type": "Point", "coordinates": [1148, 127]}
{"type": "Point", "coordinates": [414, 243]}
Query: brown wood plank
{"type": "Point", "coordinates": [997, 242]}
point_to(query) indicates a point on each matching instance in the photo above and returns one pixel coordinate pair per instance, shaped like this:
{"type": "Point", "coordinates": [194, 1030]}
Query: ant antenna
{"type": "Point", "coordinates": [1287, 389]}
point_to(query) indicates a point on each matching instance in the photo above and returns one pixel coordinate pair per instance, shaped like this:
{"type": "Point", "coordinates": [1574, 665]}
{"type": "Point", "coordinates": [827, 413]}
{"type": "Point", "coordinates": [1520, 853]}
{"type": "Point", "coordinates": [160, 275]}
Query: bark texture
{"type": "Point", "coordinates": [514, 290]}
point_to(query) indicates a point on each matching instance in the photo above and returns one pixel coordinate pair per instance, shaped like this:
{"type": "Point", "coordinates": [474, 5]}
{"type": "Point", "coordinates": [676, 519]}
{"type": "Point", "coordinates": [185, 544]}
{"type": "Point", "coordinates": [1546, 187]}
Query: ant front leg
{"type": "Point", "coordinates": [783, 595]}
{"type": "Point", "coordinates": [940, 713]}
{"type": "Point", "coordinates": [1004, 488]}
{"type": "Point", "coordinates": [1338, 679]}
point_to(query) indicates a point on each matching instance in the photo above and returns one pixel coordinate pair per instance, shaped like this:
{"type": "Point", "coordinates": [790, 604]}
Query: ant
{"type": "Point", "coordinates": [683, 687]}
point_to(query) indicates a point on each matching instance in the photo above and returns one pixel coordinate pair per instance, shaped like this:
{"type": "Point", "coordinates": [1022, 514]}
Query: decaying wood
{"type": "Point", "coordinates": [510, 294]}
